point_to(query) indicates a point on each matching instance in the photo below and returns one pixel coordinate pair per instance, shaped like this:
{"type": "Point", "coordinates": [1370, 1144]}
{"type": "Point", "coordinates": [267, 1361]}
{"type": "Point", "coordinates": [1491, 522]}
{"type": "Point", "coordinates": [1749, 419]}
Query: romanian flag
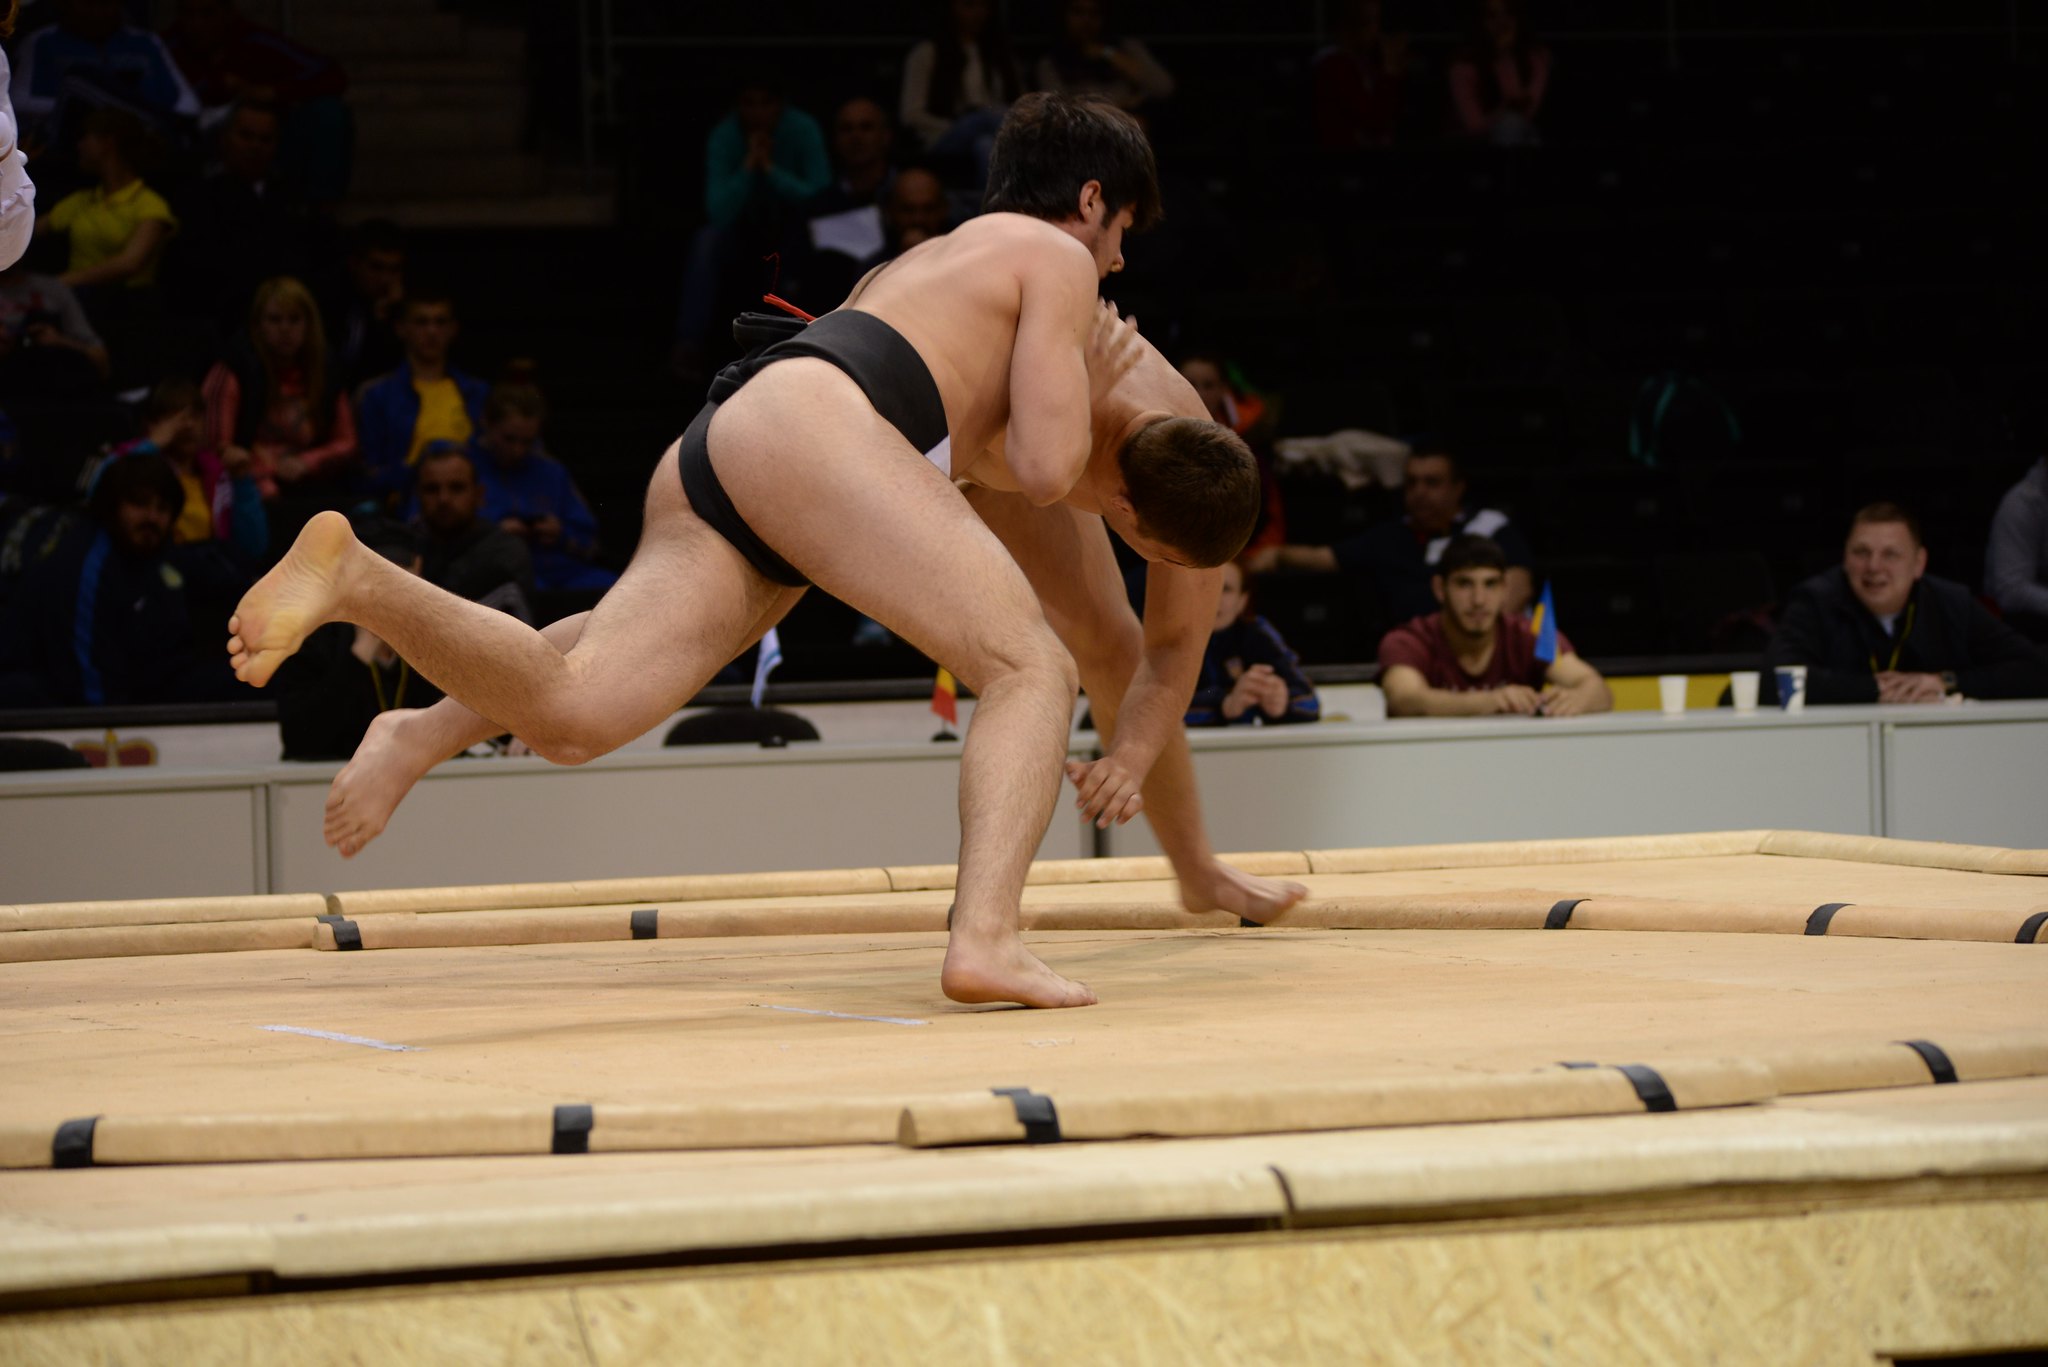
{"type": "Point", "coordinates": [946, 699]}
{"type": "Point", "coordinates": [1544, 623]}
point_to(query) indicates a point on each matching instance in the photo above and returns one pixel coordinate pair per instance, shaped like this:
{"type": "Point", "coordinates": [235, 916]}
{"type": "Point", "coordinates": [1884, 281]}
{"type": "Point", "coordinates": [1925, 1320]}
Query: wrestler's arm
{"type": "Point", "coordinates": [1047, 440]}
{"type": "Point", "coordinates": [1180, 607]}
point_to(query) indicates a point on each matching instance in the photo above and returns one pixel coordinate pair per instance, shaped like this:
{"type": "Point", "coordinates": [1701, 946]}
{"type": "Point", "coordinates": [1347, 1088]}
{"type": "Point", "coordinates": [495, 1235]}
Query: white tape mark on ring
{"type": "Point", "coordinates": [342, 1039]}
{"type": "Point", "coordinates": [840, 1015]}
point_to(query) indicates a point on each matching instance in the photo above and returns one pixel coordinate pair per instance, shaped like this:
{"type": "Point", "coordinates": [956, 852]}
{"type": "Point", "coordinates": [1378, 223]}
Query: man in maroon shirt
{"type": "Point", "coordinates": [1472, 659]}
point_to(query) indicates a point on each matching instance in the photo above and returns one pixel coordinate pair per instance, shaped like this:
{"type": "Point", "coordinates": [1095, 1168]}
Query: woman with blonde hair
{"type": "Point", "coordinates": [274, 398]}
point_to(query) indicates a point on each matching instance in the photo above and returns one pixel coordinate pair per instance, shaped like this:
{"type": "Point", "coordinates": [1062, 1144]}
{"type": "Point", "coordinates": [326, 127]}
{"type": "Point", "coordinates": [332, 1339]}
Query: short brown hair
{"type": "Point", "coordinates": [1195, 487]}
{"type": "Point", "coordinates": [1887, 512]}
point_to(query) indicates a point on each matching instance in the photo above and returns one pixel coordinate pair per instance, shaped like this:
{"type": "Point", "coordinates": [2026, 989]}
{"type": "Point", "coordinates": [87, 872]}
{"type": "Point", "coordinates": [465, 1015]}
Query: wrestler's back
{"type": "Point", "coordinates": [955, 299]}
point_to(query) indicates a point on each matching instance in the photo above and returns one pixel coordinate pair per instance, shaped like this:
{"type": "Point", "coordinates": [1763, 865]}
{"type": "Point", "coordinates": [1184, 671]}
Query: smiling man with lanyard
{"type": "Point", "coordinates": [1881, 629]}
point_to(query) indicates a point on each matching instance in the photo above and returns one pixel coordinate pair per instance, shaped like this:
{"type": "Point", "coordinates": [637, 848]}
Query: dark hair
{"type": "Point", "coordinates": [375, 235]}
{"type": "Point", "coordinates": [519, 396]}
{"type": "Point", "coordinates": [1073, 66]}
{"type": "Point", "coordinates": [1471, 553]}
{"type": "Point", "coordinates": [1436, 451]}
{"type": "Point", "coordinates": [132, 478]}
{"type": "Point", "coordinates": [120, 128]}
{"type": "Point", "coordinates": [423, 293]}
{"type": "Point", "coordinates": [1051, 145]}
{"type": "Point", "coordinates": [444, 449]}
{"type": "Point", "coordinates": [252, 106]}
{"type": "Point", "coordinates": [1194, 485]}
{"type": "Point", "coordinates": [949, 61]}
{"type": "Point", "coordinates": [169, 397]}
{"type": "Point", "coordinates": [1887, 512]}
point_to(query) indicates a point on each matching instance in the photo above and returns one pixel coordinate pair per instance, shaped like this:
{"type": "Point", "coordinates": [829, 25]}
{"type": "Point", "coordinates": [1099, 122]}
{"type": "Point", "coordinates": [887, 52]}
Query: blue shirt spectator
{"type": "Point", "coordinates": [90, 43]}
{"type": "Point", "coordinates": [532, 495]}
{"type": "Point", "coordinates": [1249, 675]}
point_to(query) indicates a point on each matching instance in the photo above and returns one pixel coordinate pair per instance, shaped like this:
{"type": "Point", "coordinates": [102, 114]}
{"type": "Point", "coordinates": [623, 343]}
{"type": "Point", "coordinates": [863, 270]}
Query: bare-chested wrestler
{"type": "Point", "coordinates": [827, 459]}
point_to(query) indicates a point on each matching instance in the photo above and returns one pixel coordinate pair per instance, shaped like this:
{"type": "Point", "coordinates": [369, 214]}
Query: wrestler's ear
{"type": "Point", "coordinates": [1093, 210]}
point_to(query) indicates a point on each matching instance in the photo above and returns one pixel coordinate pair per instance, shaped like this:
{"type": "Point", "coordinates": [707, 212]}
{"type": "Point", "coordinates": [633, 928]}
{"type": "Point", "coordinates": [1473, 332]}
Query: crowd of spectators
{"type": "Point", "coordinates": [193, 177]}
{"type": "Point", "coordinates": [196, 356]}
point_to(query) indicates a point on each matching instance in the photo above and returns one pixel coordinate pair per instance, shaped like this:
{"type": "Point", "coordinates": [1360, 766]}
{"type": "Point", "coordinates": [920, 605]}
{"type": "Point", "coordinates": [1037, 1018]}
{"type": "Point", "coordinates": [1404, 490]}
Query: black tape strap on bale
{"type": "Point", "coordinates": [1035, 1113]}
{"type": "Point", "coordinates": [644, 923]}
{"type": "Point", "coordinates": [1650, 1087]}
{"type": "Point", "coordinates": [1561, 915]}
{"type": "Point", "coordinates": [1935, 1057]}
{"type": "Point", "coordinates": [1577, 1066]}
{"type": "Point", "coordinates": [572, 1129]}
{"type": "Point", "coordinates": [346, 933]}
{"type": "Point", "coordinates": [2030, 929]}
{"type": "Point", "coordinates": [1817, 924]}
{"type": "Point", "coordinates": [72, 1145]}
{"type": "Point", "coordinates": [1247, 923]}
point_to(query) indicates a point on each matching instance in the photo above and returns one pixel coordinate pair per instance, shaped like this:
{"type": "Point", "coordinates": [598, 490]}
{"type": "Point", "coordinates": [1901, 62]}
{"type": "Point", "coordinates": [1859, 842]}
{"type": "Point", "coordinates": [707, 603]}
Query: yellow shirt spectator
{"type": "Point", "coordinates": [442, 417]}
{"type": "Point", "coordinates": [100, 224]}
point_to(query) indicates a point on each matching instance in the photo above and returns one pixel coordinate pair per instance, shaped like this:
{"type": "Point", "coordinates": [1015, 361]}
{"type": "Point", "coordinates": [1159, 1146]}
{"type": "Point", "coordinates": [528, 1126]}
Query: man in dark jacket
{"type": "Point", "coordinates": [463, 553]}
{"type": "Point", "coordinates": [1881, 629]}
{"type": "Point", "coordinates": [106, 618]}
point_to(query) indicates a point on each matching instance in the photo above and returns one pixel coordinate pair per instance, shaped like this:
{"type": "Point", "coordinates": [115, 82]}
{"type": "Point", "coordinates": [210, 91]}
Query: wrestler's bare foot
{"type": "Point", "coordinates": [396, 753]}
{"type": "Point", "coordinates": [298, 596]}
{"type": "Point", "coordinates": [1222, 888]}
{"type": "Point", "coordinates": [1002, 970]}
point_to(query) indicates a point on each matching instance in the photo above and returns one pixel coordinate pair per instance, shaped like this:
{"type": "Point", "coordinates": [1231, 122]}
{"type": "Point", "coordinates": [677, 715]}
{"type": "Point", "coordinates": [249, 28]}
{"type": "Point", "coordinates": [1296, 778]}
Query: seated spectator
{"type": "Point", "coordinates": [2016, 562]}
{"type": "Point", "coordinates": [236, 227]}
{"type": "Point", "coordinates": [223, 502]}
{"type": "Point", "coordinates": [462, 552]}
{"type": "Point", "coordinates": [1359, 79]}
{"type": "Point", "coordinates": [90, 57]}
{"type": "Point", "coordinates": [843, 222]}
{"type": "Point", "coordinates": [41, 319]}
{"type": "Point", "coordinates": [1882, 629]}
{"type": "Point", "coordinates": [273, 403]}
{"type": "Point", "coordinates": [1245, 414]}
{"type": "Point", "coordinates": [105, 618]}
{"type": "Point", "coordinates": [1393, 564]}
{"type": "Point", "coordinates": [344, 677]}
{"type": "Point", "coordinates": [530, 494]}
{"type": "Point", "coordinates": [230, 59]}
{"type": "Point", "coordinates": [1499, 79]}
{"type": "Point", "coordinates": [361, 303]}
{"type": "Point", "coordinates": [1083, 61]}
{"type": "Point", "coordinates": [118, 228]}
{"type": "Point", "coordinates": [1474, 658]}
{"type": "Point", "coordinates": [915, 208]}
{"type": "Point", "coordinates": [763, 163]}
{"type": "Point", "coordinates": [1249, 676]}
{"type": "Point", "coordinates": [861, 137]}
{"type": "Point", "coordinates": [957, 85]}
{"type": "Point", "coordinates": [424, 400]}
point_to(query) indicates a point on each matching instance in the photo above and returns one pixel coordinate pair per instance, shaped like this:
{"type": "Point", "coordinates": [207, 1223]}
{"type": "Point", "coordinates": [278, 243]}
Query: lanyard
{"type": "Point", "coordinates": [1900, 644]}
{"type": "Point", "coordinates": [377, 680]}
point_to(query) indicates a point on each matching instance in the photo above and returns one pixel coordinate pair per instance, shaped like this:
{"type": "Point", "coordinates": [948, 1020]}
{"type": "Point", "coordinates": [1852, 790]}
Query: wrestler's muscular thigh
{"type": "Point", "coordinates": [686, 605]}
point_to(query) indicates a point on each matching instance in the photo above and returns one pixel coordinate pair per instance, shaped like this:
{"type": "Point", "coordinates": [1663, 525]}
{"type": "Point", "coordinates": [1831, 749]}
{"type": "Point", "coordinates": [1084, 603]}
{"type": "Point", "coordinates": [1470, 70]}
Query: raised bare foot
{"type": "Point", "coordinates": [1002, 970]}
{"type": "Point", "coordinates": [396, 752]}
{"type": "Point", "coordinates": [1223, 888]}
{"type": "Point", "coordinates": [288, 604]}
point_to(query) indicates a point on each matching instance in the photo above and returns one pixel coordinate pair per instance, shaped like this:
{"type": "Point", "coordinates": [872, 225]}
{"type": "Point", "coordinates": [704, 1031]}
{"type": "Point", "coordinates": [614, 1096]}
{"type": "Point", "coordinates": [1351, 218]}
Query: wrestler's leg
{"type": "Point", "coordinates": [681, 610]}
{"type": "Point", "coordinates": [402, 745]}
{"type": "Point", "coordinates": [880, 529]}
{"type": "Point", "coordinates": [1066, 555]}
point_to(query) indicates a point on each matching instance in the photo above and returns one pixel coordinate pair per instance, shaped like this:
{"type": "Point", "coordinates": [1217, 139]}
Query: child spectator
{"type": "Point", "coordinates": [424, 400]}
{"type": "Point", "coordinates": [273, 403]}
{"type": "Point", "coordinates": [1499, 79]}
{"type": "Point", "coordinates": [957, 85]}
{"type": "Point", "coordinates": [1249, 676]}
{"type": "Point", "coordinates": [105, 617]}
{"type": "Point", "coordinates": [222, 500]}
{"type": "Point", "coordinates": [531, 495]}
{"type": "Point", "coordinates": [1084, 62]}
{"type": "Point", "coordinates": [119, 227]}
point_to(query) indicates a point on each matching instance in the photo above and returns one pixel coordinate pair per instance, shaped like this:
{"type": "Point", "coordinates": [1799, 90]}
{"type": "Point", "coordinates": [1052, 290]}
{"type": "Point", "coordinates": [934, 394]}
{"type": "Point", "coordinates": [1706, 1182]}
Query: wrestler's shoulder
{"type": "Point", "coordinates": [1033, 236]}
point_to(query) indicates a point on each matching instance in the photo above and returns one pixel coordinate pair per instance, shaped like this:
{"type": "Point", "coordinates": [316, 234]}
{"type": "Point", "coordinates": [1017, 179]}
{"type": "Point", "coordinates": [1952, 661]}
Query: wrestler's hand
{"type": "Point", "coordinates": [1113, 348]}
{"type": "Point", "coordinates": [1108, 791]}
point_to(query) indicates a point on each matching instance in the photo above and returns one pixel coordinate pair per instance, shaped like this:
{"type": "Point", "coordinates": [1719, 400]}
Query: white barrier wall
{"type": "Point", "coordinates": [1976, 773]}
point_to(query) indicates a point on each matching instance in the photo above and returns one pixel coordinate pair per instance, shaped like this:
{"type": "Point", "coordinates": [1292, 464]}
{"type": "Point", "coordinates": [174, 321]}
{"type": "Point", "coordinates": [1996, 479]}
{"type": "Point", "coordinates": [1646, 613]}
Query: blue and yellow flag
{"type": "Point", "coordinates": [1544, 623]}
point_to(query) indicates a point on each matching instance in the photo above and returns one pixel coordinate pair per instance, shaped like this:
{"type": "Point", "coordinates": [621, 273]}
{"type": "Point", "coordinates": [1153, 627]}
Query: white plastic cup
{"type": "Point", "coordinates": [1742, 685]}
{"type": "Point", "coordinates": [1671, 692]}
{"type": "Point", "coordinates": [1792, 687]}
